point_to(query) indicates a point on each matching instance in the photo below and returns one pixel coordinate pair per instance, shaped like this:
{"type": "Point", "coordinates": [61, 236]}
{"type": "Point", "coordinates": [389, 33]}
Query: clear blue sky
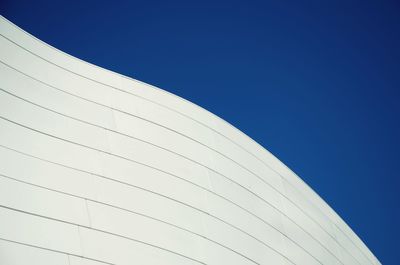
{"type": "Point", "coordinates": [315, 82]}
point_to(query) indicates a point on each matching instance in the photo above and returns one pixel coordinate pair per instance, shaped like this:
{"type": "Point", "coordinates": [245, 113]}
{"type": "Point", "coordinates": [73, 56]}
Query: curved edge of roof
{"type": "Point", "coordinates": [157, 89]}
{"type": "Point", "coordinates": [192, 104]}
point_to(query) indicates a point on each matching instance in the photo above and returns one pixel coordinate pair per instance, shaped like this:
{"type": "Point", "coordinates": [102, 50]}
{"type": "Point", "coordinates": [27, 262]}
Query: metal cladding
{"type": "Point", "coordinates": [98, 168]}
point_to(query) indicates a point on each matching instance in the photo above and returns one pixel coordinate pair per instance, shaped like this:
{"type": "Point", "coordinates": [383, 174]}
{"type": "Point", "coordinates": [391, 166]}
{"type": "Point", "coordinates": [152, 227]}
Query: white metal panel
{"type": "Point", "coordinates": [298, 255]}
{"type": "Point", "coordinates": [353, 238]}
{"type": "Point", "coordinates": [216, 255]}
{"type": "Point", "coordinates": [162, 136]}
{"type": "Point", "coordinates": [157, 158]}
{"type": "Point", "coordinates": [46, 174]}
{"type": "Point", "coordinates": [238, 154]}
{"type": "Point", "coordinates": [162, 116]}
{"type": "Point", "coordinates": [298, 236]}
{"type": "Point", "coordinates": [307, 217]}
{"type": "Point", "coordinates": [29, 141]}
{"type": "Point", "coordinates": [249, 226]}
{"type": "Point", "coordinates": [36, 67]}
{"type": "Point", "coordinates": [242, 243]}
{"type": "Point", "coordinates": [52, 98]}
{"type": "Point", "coordinates": [41, 201]}
{"type": "Point", "coordinates": [74, 260]}
{"type": "Point", "coordinates": [150, 204]}
{"type": "Point", "coordinates": [51, 123]}
{"type": "Point", "coordinates": [12, 253]}
{"type": "Point", "coordinates": [119, 250]}
{"type": "Point", "coordinates": [188, 189]}
{"type": "Point", "coordinates": [351, 247]}
{"type": "Point", "coordinates": [146, 230]}
{"type": "Point", "coordinates": [302, 204]}
{"type": "Point", "coordinates": [39, 231]}
{"type": "Point", "coordinates": [236, 194]}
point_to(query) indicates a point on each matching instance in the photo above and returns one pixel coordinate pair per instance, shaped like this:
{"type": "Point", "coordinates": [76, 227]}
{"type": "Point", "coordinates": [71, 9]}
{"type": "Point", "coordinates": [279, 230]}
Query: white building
{"type": "Point", "coordinates": [98, 168]}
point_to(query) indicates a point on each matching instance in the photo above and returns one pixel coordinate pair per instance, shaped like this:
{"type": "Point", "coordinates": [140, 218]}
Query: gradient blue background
{"type": "Point", "coordinates": [315, 82]}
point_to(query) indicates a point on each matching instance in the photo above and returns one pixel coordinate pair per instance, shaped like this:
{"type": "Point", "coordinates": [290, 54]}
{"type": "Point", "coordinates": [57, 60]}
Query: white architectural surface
{"type": "Point", "coordinates": [98, 168]}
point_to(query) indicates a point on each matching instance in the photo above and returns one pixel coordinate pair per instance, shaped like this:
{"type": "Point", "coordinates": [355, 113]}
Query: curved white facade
{"type": "Point", "coordinates": [99, 168]}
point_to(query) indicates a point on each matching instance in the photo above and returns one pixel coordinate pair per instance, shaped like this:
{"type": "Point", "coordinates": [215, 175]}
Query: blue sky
{"type": "Point", "coordinates": [315, 82]}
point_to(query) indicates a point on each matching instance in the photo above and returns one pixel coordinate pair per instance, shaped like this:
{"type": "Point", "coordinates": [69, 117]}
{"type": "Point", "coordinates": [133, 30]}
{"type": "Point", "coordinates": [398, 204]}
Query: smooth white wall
{"type": "Point", "coordinates": [100, 168]}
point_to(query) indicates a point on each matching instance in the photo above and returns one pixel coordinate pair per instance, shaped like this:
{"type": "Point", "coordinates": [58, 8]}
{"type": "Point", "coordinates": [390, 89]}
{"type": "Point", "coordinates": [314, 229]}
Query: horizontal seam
{"type": "Point", "coordinates": [53, 250]}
